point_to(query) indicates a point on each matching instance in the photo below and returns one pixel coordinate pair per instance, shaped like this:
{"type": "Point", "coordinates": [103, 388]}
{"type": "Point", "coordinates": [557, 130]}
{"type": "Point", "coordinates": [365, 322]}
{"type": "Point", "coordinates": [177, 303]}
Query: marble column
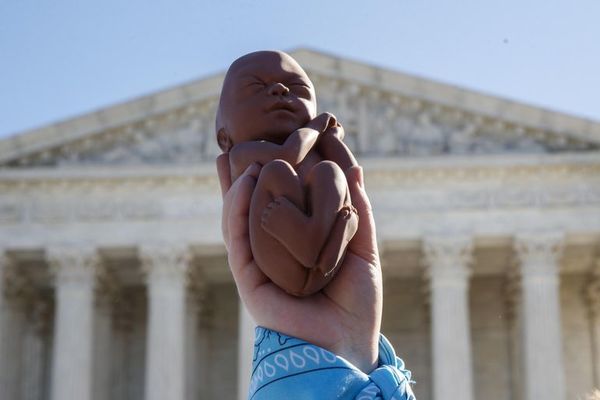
{"type": "Point", "coordinates": [538, 256]}
{"type": "Point", "coordinates": [107, 291]}
{"type": "Point", "coordinates": [448, 262]}
{"type": "Point", "coordinates": [196, 354]}
{"type": "Point", "coordinates": [74, 269]}
{"type": "Point", "coordinates": [513, 300]}
{"type": "Point", "coordinates": [166, 270]}
{"type": "Point", "coordinates": [246, 327]}
{"type": "Point", "coordinates": [12, 326]}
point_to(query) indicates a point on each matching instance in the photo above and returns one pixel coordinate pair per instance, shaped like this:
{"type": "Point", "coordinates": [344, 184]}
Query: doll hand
{"type": "Point", "coordinates": [327, 124]}
{"type": "Point", "coordinates": [322, 122]}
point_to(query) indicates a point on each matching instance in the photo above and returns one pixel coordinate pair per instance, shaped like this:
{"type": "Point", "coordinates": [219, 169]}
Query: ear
{"type": "Point", "coordinates": [224, 140]}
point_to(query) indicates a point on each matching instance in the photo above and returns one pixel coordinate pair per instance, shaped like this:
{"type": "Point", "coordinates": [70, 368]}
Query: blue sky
{"type": "Point", "coordinates": [60, 58]}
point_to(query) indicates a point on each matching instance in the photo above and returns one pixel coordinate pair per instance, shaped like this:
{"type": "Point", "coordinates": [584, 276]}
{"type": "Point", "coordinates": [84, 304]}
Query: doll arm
{"type": "Point", "coordinates": [331, 147]}
{"type": "Point", "coordinates": [293, 150]}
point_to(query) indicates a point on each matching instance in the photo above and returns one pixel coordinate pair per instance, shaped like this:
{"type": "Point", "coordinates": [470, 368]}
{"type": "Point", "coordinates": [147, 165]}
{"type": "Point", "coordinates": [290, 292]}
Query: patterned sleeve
{"type": "Point", "coordinates": [285, 367]}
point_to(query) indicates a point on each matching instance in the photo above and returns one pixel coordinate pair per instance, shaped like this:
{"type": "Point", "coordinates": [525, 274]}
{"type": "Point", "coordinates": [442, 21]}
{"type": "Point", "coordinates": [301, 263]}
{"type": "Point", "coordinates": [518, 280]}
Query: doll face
{"type": "Point", "coordinates": [266, 96]}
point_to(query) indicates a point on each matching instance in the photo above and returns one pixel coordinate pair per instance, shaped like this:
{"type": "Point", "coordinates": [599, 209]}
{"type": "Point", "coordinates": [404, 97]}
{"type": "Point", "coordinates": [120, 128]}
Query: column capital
{"type": "Point", "coordinates": [15, 286]}
{"type": "Point", "coordinates": [71, 264]}
{"type": "Point", "coordinates": [448, 257]}
{"type": "Point", "coordinates": [539, 253]}
{"type": "Point", "coordinates": [5, 259]}
{"type": "Point", "coordinates": [165, 261]}
{"type": "Point", "coordinates": [7, 265]}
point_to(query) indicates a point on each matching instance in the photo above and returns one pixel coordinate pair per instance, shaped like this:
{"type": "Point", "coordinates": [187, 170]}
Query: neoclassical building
{"type": "Point", "coordinates": [115, 282]}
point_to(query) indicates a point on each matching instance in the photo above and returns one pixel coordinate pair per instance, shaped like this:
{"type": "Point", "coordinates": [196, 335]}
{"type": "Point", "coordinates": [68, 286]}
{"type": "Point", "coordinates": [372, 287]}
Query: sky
{"type": "Point", "coordinates": [60, 59]}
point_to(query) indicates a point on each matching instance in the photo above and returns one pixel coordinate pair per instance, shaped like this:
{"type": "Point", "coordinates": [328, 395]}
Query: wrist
{"type": "Point", "coordinates": [364, 355]}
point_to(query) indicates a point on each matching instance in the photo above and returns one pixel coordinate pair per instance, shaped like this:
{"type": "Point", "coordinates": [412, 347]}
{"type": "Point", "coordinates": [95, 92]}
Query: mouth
{"type": "Point", "coordinates": [282, 106]}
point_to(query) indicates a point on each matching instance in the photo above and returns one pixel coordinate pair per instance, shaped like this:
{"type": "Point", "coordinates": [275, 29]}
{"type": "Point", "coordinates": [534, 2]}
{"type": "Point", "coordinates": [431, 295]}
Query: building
{"type": "Point", "coordinates": [115, 283]}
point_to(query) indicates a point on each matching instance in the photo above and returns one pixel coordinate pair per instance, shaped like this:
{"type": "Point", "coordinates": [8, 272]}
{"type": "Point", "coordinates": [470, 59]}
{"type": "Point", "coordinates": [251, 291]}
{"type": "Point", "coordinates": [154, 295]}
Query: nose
{"type": "Point", "coordinates": [278, 89]}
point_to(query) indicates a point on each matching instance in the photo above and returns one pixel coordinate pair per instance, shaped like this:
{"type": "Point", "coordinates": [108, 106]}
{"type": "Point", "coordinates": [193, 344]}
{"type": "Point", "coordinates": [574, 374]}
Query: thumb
{"type": "Point", "coordinates": [364, 242]}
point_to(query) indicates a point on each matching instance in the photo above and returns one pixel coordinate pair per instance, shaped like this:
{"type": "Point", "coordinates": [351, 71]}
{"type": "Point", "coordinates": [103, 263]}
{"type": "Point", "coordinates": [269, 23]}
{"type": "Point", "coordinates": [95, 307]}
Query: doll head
{"type": "Point", "coordinates": [266, 95]}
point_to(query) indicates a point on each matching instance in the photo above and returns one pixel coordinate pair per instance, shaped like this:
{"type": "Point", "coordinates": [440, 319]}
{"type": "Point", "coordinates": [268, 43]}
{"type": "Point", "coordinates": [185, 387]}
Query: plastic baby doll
{"type": "Point", "coordinates": [301, 216]}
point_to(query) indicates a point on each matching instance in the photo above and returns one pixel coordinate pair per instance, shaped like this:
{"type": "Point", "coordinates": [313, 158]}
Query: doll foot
{"type": "Point", "coordinates": [343, 230]}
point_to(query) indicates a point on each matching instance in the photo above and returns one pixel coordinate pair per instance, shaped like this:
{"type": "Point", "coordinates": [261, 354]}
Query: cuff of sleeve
{"type": "Point", "coordinates": [284, 365]}
{"type": "Point", "coordinates": [391, 376]}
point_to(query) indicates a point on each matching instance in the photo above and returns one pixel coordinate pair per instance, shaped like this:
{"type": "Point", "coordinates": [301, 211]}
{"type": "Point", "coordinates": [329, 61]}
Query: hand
{"type": "Point", "coordinates": [327, 123]}
{"type": "Point", "coordinates": [345, 317]}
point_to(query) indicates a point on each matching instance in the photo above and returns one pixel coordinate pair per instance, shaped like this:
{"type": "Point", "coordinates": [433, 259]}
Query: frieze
{"type": "Point", "coordinates": [24, 185]}
{"type": "Point", "coordinates": [378, 123]}
{"type": "Point", "coordinates": [78, 207]}
{"type": "Point", "coordinates": [452, 173]}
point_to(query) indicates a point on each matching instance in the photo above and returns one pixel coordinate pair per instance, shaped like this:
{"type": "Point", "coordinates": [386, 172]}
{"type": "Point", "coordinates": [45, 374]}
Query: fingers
{"type": "Point", "coordinates": [239, 242]}
{"type": "Point", "coordinates": [364, 243]}
{"type": "Point", "coordinates": [235, 210]}
{"type": "Point", "coordinates": [231, 199]}
{"type": "Point", "coordinates": [224, 172]}
{"type": "Point", "coordinates": [245, 272]}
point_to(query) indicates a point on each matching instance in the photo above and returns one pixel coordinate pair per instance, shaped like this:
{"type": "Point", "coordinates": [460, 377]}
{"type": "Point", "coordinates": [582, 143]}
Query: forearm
{"type": "Point", "coordinates": [293, 150]}
{"type": "Point", "coordinates": [298, 144]}
{"type": "Point", "coordinates": [331, 147]}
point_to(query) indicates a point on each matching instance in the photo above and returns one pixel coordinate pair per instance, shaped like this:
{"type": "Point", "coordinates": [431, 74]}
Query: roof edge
{"type": "Point", "coordinates": [317, 61]}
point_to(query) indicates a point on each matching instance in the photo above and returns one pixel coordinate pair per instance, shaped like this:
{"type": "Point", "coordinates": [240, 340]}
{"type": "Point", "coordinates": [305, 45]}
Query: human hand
{"type": "Point", "coordinates": [344, 317]}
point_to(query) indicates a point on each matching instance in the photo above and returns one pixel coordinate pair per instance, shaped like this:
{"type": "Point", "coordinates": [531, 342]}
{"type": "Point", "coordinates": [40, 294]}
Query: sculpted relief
{"type": "Point", "coordinates": [377, 123]}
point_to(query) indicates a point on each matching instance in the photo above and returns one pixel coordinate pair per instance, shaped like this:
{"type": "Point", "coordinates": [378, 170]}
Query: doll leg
{"type": "Point", "coordinates": [305, 236]}
{"type": "Point", "coordinates": [278, 179]}
{"type": "Point", "coordinates": [334, 249]}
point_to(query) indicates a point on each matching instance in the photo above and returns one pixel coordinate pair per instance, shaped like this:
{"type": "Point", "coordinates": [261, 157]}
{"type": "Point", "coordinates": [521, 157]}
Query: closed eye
{"type": "Point", "coordinates": [300, 89]}
{"type": "Point", "coordinates": [299, 84]}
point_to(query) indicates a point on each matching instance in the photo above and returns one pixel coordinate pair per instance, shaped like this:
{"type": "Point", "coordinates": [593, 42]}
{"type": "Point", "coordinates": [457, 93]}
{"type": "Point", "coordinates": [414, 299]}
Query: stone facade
{"type": "Point", "coordinates": [114, 276]}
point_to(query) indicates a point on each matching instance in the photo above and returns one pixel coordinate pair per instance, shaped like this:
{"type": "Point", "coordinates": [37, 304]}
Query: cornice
{"type": "Point", "coordinates": [88, 195]}
{"type": "Point", "coordinates": [378, 85]}
{"type": "Point", "coordinates": [450, 170]}
{"type": "Point", "coordinates": [379, 172]}
{"type": "Point", "coordinates": [428, 90]}
{"type": "Point", "coordinates": [115, 116]}
{"type": "Point", "coordinates": [203, 176]}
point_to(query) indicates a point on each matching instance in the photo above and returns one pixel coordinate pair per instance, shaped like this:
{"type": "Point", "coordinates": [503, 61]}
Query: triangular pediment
{"type": "Point", "coordinates": [385, 114]}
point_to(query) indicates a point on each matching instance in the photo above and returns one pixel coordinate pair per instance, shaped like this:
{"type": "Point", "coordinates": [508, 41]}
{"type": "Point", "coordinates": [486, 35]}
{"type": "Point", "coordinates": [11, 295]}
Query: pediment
{"type": "Point", "coordinates": [385, 114]}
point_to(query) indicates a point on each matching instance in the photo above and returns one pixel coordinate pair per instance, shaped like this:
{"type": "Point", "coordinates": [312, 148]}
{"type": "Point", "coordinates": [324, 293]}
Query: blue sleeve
{"type": "Point", "coordinates": [285, 367]}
